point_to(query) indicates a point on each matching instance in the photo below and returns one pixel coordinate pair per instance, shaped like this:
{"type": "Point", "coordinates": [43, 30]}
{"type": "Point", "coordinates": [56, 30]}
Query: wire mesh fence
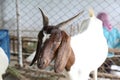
{"type": "Point", "coordinates": [30, 19]}
{"type": "Point", "coordinates": [57, 11]}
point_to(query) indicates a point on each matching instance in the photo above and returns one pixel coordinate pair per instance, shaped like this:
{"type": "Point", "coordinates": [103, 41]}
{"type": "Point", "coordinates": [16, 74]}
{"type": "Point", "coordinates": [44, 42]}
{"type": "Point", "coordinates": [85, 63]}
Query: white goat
{"type": "Point", "coordinates": [90, 48]}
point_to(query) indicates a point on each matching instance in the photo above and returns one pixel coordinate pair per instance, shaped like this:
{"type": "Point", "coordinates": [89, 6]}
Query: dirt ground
{"type": "Point", "coordinates": [14, 72]}
{"type": "Point", "coordinates": [31, 73]}
{"type": "Point", "coordinates": [9, 76]}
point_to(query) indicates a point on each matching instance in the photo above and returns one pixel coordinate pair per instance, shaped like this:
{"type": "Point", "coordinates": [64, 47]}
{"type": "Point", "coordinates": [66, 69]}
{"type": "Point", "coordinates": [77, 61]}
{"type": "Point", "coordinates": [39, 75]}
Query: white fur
{"type": "Point", "coordinates": [46, 36]}
{"type": "Point", "coordinates": [3, 62]}
{"type": "Point", "coordinates": [90, 48]}
{"type": "Point", "coordinates": [30, 57]}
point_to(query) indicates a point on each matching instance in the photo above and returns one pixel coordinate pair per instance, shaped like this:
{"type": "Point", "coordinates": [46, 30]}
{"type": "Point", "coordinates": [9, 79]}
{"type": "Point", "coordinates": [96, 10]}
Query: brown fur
{"type": "Point", "coordinates": [49, 49]}
{"type": "Point", "coordinates": [70, 61]}
{"type": "Point", "coordinates": [64, 57]}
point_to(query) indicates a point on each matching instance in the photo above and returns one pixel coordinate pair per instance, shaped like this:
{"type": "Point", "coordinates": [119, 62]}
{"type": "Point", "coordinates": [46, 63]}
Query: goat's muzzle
{"type": "Point", "coordinates": [42, 63]}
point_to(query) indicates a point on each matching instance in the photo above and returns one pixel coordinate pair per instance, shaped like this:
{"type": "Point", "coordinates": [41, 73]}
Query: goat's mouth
{"type": "Point", "coordinates": [42, 64]}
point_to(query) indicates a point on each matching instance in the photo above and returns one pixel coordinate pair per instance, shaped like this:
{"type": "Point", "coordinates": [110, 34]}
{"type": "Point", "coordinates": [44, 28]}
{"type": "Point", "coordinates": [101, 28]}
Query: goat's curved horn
{"type": "Point", "coordinates": [91, 12]}
{"type": "Point", "coordinates": [68, 21]}
{"type": "Point", "coordinates": [45, 18]}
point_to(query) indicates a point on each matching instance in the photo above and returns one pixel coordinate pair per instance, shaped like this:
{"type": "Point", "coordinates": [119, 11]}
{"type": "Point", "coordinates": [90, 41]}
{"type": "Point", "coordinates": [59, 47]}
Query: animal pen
{"type": "Point", "coordinates": [23, 20]}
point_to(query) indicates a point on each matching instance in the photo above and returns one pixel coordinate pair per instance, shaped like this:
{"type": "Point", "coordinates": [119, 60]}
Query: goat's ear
{"type": "Point", "coordinates": [70, 61]}
{"type": "Point", "coordinates": [63, 54]}
{"type": "Point", "coordinates": [45, 18]}
{"type": "Point", "coordinates": [64, 23]}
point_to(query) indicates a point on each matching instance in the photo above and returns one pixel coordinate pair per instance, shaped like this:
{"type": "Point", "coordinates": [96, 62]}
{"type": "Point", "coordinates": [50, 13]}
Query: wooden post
{"type": "Point", "coordinates": [19, 37]}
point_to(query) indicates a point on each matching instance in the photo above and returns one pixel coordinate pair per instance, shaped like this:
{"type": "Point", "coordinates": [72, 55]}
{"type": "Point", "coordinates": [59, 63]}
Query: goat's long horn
{"type": "Point", "coordinates": [45, 18]}
{"type": "Point", "coordinates": [69, 20]}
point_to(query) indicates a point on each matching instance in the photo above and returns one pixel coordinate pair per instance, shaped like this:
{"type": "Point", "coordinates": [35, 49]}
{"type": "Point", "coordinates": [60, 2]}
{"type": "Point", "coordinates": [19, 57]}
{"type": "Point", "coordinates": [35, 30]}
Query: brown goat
{"type": "Point", "coordinates": [53, 43]}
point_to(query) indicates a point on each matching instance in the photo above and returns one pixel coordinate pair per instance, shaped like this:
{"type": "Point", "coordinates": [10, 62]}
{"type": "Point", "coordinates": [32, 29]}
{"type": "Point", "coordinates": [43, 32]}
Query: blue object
{"type": "Point", "coordinates": [5, 42]}
{"type": "Point", "coordinates": [110, 55]}
{"type": "Point", "coordinates": [113, 39]}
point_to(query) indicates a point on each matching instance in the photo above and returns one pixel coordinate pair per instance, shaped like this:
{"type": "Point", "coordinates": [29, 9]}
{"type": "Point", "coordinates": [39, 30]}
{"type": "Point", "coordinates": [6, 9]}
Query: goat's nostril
{"type": "Point", "coordinates": [44, 62]}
